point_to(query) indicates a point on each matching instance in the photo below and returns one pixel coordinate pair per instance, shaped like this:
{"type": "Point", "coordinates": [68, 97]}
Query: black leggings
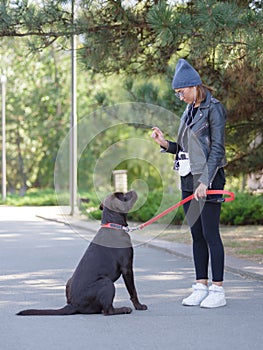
{"type": "Point", "coordinates": [203, 219]}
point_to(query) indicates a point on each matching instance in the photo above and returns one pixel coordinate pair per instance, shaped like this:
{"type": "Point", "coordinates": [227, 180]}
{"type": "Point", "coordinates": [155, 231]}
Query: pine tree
{"type": "Point", "coordinates": [222, 39]}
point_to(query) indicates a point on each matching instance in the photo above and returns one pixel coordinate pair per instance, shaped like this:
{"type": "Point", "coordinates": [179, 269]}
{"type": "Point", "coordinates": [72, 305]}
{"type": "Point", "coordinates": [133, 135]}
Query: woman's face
{"type": "Point", "coordinates": [188, 94]}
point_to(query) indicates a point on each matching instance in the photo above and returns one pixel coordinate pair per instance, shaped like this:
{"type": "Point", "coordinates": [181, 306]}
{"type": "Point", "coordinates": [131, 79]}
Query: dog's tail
{"type": "Point", "coordinates": [66, 310]}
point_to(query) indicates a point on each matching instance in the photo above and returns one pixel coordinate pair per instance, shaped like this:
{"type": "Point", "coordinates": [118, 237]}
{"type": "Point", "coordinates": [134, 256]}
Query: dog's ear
{"type": "Point", "coordinates": [101, 206]}
{"type": "Point", "coordinates": [120, 202]}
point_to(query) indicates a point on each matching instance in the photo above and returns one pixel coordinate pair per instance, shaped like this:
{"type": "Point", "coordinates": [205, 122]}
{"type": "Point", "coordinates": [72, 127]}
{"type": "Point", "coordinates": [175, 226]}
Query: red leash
{"type": "Point", "coordinates": [231, 197]}
{"type": "Point", "coordinates": [187, 199]}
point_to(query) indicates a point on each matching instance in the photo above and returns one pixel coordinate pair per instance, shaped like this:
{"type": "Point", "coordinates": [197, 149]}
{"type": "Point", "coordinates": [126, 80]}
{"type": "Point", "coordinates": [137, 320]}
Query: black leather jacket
{"type": "Point", "coordinates": [206, 139]}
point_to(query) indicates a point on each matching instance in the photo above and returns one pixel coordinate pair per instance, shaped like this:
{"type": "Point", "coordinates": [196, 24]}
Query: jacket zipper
{"type": "Point", "coordinates": [199, 130]}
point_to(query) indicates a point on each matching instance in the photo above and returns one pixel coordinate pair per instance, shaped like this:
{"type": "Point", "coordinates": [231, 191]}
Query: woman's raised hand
{"type": "Point", "coordinates": [158, 137]}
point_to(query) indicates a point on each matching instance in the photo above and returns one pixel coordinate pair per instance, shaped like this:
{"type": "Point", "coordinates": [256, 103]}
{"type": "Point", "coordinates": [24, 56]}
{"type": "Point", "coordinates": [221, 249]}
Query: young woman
{"type": "Point", "coordinates": [200, 158]}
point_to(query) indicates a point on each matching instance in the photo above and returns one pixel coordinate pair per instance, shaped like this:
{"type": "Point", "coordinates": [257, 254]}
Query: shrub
{"type": "Point", "coordinates": [152, 205]}
{"type": "Point", "coordinates": [246, 209]}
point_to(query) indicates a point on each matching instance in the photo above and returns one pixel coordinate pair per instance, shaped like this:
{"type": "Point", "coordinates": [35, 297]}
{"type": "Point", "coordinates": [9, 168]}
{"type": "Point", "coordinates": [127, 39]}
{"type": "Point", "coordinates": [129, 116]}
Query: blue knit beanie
{"type": "Point", "coordinates": [185, 75]}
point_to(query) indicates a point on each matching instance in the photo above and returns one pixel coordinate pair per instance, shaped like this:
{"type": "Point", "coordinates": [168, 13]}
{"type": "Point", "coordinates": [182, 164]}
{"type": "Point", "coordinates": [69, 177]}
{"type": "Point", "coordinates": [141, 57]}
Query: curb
{"type": "Point", "coordinates": [228, 266]}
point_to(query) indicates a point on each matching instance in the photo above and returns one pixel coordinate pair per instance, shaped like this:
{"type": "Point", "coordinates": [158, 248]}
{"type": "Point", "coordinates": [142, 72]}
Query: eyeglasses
{"type": "Point", "coordinates": [179, 94]}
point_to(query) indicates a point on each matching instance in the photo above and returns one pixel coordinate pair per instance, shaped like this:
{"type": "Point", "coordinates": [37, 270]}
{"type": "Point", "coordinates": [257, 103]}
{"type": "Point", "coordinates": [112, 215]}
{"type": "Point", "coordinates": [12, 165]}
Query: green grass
{"type": "Point", "coordinates": [233, 244]}
{"type": "Point", "coordinates": [257, 251]}
{"type": "Point", "coordinates": [33, 197]}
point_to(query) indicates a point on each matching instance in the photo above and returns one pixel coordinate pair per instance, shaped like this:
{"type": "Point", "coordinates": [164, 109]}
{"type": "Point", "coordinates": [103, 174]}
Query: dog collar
{"type": "Point", "coordinates": [115, 226]}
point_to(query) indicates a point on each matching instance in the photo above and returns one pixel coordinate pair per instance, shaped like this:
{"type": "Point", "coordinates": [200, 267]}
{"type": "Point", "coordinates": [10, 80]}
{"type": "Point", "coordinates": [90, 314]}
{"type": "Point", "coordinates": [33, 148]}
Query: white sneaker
{"type": "Point", "coordinates": [199, 294]}
{"type": "Point", "coordinates": [215, 298]}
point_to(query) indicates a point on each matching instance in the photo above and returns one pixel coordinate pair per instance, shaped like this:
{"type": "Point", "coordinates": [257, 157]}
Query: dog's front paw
{"type": "Point", "coordinates": [127, 310]}
{"type": "Point", "coordinates": [117, 311]}
{"type": "Point", "coordinates": [140, 307]}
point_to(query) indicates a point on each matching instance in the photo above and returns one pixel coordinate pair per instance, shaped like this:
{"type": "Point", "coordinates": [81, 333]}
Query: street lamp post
{"type": "Point", "coordinates": [73, 122]}
{"type": "Point", "coordinates": [3, 84]}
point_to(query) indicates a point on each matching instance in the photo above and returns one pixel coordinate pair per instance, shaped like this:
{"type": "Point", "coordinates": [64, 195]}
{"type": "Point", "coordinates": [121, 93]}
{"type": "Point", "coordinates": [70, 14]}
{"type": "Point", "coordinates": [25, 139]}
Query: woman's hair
{"type": "Point", "coordinates": [201, 91]}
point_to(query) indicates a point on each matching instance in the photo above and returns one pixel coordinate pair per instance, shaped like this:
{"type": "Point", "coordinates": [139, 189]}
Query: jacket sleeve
{"type": "Point", "coordinates": [173, 147]}
{"type": "Point", "coordinates": [217, 122]}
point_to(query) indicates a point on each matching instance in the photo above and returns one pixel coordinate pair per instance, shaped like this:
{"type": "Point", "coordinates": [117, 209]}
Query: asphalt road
{"type": "Point", "coordinates": [36, 259]}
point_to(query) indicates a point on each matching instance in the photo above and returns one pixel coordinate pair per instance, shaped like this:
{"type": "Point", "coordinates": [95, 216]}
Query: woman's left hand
{"type": "Point", "coordinates": [200, 192]}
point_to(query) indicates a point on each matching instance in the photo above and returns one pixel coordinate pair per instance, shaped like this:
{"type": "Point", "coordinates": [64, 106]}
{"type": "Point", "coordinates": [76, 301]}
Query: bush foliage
{"type": "Point", "coordinates": [246, 209]}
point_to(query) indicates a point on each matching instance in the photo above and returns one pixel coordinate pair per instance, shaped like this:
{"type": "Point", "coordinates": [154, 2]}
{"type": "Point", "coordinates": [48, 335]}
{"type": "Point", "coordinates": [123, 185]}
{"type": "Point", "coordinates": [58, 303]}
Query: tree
{"type": "Point", "coordinates": [37, 113]}
{"type": "Point", "coordinates": [222, 39]}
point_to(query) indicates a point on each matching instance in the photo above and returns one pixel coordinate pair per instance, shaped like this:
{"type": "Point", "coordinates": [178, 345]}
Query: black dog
{"type": "Point", "coordinates": [91, 289]}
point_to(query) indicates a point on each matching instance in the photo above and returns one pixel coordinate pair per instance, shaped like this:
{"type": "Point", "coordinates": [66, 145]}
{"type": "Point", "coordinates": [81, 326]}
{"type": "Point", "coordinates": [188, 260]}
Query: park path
{"type": "Point", "coordinates": [38, 256]}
